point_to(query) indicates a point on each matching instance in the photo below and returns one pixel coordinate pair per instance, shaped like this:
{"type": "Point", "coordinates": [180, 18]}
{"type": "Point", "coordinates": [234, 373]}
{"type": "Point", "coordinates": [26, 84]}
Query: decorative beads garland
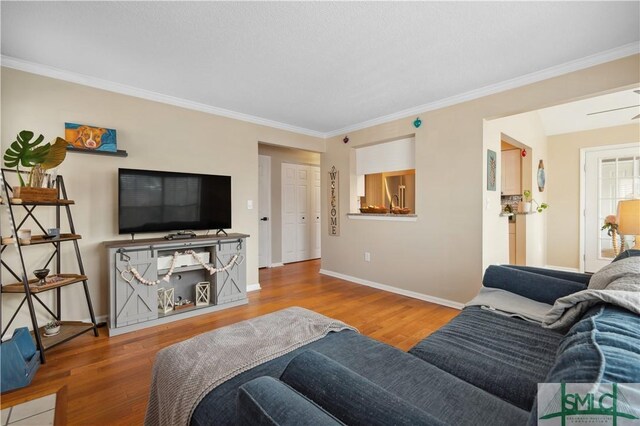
{"type": "Point", "coordinates": [133, 272]}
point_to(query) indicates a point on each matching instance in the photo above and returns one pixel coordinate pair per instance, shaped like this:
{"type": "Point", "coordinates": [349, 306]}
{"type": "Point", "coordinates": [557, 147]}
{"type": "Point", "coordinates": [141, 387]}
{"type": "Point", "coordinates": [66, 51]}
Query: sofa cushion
{"type": "Point", "coordinates": [266, 401]}
{"type": "Point", "coordinates": [626, 253]}
{"type": "Point", "coordinates": [604, 346]}
{"type": "Point", "coordinates": [348, 396]}
{"type": "Point", "coordinates": [538, 287]}
{"type": "Point", "coordinates": [505, 356]}
{"type": "Point", "coordinates": [427, 387]}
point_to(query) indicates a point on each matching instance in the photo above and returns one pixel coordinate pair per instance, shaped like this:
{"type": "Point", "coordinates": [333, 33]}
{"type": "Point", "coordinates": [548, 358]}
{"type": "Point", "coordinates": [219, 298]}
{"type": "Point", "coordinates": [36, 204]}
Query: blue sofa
{"type": "Point", "coordinates": [482, 368]}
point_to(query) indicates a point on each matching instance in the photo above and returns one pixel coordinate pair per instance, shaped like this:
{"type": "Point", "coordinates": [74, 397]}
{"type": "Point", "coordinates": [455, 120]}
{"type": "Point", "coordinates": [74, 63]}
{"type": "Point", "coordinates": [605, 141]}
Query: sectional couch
{"type": "Point", "coordinates": [482, 368]}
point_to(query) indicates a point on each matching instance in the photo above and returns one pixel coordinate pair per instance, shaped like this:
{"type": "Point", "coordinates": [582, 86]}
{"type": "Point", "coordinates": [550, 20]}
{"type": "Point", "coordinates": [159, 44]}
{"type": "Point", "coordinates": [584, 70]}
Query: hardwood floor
{"type": "Point", "coordinates": [108, 379]}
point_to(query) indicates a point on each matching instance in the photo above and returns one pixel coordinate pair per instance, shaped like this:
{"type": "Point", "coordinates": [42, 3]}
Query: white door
{"type": "Point", "coordinates": [264, 210]}
{"type": "Point", "coordinates": [315, 210]}
{"type": "Point", "coordinates": [300, 212]}
{"type": "Point", "coordinates": [610, 175]}
{"type": "Point", "coordinates": [289, 213]}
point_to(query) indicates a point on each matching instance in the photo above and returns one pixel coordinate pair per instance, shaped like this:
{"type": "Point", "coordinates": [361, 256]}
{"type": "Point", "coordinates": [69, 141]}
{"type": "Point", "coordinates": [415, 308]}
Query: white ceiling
{"type": "Point", "coordinates": [320, 66]}
{"type": "Point", "coordinates": [578, 116]}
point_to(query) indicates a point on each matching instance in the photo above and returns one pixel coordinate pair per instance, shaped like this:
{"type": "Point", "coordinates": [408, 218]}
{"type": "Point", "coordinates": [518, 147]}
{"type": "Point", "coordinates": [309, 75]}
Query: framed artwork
{"type": "Point", "coordinates": [90, 138]}
{"type": "Point", "coordinates": [492, 169]}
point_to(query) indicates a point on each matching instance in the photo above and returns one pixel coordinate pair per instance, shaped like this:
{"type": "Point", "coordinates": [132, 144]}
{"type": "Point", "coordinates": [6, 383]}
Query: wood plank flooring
{"type": "Point", "coordinates": [108, 379]}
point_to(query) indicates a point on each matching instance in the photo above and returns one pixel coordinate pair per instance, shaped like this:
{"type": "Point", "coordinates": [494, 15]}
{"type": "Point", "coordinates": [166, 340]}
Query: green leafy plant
{"type": "Point", "coordinates": [539, 207]}
{"type": "Point", "coordinates": [30, 152]}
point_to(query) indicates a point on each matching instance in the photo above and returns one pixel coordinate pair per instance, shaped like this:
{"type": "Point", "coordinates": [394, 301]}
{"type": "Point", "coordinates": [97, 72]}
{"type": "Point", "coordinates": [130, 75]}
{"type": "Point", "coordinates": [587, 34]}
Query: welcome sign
{"type": "Point", "coordinates": [334, 203]}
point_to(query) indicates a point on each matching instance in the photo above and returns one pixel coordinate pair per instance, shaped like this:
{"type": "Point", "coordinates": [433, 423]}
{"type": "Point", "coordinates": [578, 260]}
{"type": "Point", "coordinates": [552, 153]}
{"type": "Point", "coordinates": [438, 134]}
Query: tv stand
{"type": "Point", "coordinates": [133, 305]}
{"type": "Point", "coordinates": [181, 235]}
{"type": "Point", "coordinates": [219, 231]}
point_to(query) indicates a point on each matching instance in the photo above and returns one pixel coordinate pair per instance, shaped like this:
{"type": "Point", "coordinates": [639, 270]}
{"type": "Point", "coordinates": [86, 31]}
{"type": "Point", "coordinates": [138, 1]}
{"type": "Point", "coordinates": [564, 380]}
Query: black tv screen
{"type": "Point", "coordinates": [154, 201]}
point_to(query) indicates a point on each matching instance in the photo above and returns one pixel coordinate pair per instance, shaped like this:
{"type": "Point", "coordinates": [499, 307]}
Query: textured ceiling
{"type": "Point", "coordinates": [614, 109]}
{"type": "Point", "coordinates": [316, 65]}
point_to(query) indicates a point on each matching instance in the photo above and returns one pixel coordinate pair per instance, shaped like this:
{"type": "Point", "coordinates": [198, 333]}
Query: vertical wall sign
{"type": "Point", "coordinates": [334, 206]}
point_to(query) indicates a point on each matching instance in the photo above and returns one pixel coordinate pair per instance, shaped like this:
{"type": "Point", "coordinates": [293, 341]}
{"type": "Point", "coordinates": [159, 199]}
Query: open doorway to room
{"type": "Point", "coordinates": [584, 158]}
{"type": "Point", "coordinates": [289, 205]}
{"type": "Point", "coordinates": [515, 178]}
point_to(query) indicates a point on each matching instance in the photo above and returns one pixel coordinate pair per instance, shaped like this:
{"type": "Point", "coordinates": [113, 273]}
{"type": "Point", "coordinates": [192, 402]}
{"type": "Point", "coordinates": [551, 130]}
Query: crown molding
{"type": "Point", "coordinates": [555, 71]}
{"type": "Point", "coordinates": [98, 83]}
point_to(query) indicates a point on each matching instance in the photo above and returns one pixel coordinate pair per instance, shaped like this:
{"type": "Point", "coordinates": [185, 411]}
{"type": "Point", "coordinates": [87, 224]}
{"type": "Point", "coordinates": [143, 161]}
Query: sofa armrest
{"type": "Point", "coordinates": [351, 398]}
{"type": "Point", "coordinates": [539, 287]}
{"type": "Point", "coordinates": [269, 402]}
{"type": "Point", "coordinates": [563, 275]}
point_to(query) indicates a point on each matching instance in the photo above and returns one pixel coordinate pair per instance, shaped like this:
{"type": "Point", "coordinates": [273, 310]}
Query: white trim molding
{"type": "Point", "coordinates": [390, 289]}
{"type": "Point", "coordinates": [98, 83]}
{"type": "Point", "coordinates": [276, 265]}
{"type": "Point", "coordinates": [253, 287]}
{"type": "Point", "coordinates": [534, 77]}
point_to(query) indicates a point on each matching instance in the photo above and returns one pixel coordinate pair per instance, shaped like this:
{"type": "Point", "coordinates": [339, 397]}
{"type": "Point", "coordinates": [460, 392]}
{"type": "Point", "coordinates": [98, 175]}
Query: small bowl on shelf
{"type": "Point", "coordinates": [52, 328]}
{"type": "Point", "coordinates": [41, 274]}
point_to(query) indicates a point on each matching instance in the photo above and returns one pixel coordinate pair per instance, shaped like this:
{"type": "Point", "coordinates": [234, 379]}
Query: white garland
{"type": "Point", "coordinates": [135, 274]}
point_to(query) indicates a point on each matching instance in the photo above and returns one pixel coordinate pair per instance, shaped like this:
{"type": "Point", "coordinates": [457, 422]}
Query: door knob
{"type": "Point", "coordinates": [264, 219]}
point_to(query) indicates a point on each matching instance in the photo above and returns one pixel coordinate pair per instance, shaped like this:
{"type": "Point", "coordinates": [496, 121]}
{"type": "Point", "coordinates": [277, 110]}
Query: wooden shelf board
{"type": "Point", "coordinates": [34, 288]}
{"type": "Point", "coordinates": [40, 239]}
{"type": "Point", "coordinates": [61, 202]}
{"type": "Point", "coordinates": [118, 153]}
{"type": "Point", "coordinates": [69, 330]}
{"type": "Point", "coordinates": [181, 269]}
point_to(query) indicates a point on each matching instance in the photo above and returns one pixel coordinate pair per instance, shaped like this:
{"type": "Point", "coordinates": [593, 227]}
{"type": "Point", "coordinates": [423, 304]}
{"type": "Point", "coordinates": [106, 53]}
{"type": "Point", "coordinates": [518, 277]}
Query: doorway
{"type": "Point", "coordinates": [609, 174]}
{"type": "Point", "coordinates": [264, 210]}
{"type": "Point", "coordinates": [271, 199]}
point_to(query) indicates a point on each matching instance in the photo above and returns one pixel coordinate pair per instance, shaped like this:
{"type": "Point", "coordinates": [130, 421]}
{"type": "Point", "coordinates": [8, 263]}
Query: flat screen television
{"type": "Point", "coordinates": [156, 201]}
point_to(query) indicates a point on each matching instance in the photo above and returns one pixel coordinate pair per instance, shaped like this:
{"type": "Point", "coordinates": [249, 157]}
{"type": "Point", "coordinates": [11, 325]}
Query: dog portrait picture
{"type": "Point", "coordinates": [82, 136]}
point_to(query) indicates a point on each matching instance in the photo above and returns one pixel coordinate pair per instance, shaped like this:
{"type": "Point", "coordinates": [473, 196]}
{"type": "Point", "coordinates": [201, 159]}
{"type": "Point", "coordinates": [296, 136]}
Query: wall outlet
{"type": "Point", "coordinates": [249, 204]}
{"type": "Point", "coordinates": [367, 256]}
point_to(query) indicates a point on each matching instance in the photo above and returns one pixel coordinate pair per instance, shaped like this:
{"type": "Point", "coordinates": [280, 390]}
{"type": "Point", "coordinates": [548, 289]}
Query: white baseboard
{"type": "Point", "coordinates": [253, 287]}
{"type": "Point", "coordinates": [562, 268]}
{"type": "Point", "coordinates": [408, 293]}
{"type": "Point", "coordinates": [276, 265]}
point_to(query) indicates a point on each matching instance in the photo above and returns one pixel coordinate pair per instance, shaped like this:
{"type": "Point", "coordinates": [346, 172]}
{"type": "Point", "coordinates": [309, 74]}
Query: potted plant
{"type": "Point", "coordinates": [30, 152]}
{"type": "Point", "coordinates": [52, 328]}
{"type": "Point", "coordinates": [611, 225]}
{"type": "Point", "coordinates": [529, 202]}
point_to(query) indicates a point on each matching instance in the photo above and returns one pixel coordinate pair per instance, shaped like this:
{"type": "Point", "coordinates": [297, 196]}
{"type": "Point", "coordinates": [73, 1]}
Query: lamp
{"type": "Point", "coordinates": [629, 219]}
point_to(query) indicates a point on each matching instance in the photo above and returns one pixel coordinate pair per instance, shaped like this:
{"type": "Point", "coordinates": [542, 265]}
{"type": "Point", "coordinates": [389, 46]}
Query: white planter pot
{"type": "Point", "coordinates": [527, 207]}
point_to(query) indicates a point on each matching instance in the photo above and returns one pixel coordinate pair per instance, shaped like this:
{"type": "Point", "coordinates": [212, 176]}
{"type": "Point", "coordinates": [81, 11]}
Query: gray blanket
{"type": "Point", "coordinates": [184, 373]}
{"type": "Point", "coordinates": [617, 283]}
{"type": "Point", "coordinates": [510, 304]}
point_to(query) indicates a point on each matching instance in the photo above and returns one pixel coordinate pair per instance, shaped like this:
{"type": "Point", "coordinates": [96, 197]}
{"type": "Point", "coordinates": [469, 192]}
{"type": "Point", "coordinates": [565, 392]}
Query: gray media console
{"type": "Point", "coordinates": [134, 305]}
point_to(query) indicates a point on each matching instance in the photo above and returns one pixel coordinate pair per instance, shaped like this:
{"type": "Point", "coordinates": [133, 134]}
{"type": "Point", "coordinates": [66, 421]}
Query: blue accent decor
{"type": "Point", "coordinates": [19, 360]}
{"type": "Point", "coordinates": [417, 122]}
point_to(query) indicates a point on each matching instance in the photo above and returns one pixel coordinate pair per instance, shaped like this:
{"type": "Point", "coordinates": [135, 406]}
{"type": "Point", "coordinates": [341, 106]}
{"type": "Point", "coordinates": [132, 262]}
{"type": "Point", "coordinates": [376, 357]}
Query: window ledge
{"type": "Point", "coordinates": [386, 216]}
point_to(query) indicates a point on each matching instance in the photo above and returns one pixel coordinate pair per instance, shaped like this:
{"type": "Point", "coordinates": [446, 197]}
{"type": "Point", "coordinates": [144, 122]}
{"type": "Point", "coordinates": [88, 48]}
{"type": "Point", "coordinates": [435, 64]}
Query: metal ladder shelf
{"type": "Point", "coordinates": [29, 288]}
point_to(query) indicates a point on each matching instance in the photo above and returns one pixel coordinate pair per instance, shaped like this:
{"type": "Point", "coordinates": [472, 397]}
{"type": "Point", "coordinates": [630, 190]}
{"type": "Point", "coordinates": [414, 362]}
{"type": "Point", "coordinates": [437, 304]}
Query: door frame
{"type": "Point", "coordinates": [583, 180]}
{"type": "Point", "coordinates": [269, 255]}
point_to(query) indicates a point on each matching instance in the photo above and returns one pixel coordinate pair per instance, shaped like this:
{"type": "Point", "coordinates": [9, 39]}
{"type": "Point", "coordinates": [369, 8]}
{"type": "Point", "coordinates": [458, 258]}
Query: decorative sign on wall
{"type": "Point", "coordinates": [491, 170]}
{"type": "Point", "coordinates": [334, 206]}
{"type": "Point", "coordinates": [542, 179]}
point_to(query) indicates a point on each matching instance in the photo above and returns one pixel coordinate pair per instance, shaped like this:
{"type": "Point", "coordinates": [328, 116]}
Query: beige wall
{"type": "Point", "coordinates": [531, 236]}
{"type": "Point", "coordinates": [441, 255]}
{"type": "Point", "coordinates": [278, 156]}
{"type": "Point", "coordinates": [563, 177]}
{"type": "Point", "coordinates": [156, 136]}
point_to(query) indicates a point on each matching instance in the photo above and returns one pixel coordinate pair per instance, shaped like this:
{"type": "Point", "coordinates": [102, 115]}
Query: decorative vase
{"type": "Point", "coordinates": [614, 241]}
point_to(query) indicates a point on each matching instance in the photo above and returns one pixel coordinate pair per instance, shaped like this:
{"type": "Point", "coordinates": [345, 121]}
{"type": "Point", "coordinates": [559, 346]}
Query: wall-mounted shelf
{"type": "Point", "coordinates": [118, 153]}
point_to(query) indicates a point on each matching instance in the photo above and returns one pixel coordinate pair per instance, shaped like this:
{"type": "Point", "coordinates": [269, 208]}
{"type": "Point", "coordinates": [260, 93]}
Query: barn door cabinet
{"type": "Point", "coordinates": [133, 305]}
